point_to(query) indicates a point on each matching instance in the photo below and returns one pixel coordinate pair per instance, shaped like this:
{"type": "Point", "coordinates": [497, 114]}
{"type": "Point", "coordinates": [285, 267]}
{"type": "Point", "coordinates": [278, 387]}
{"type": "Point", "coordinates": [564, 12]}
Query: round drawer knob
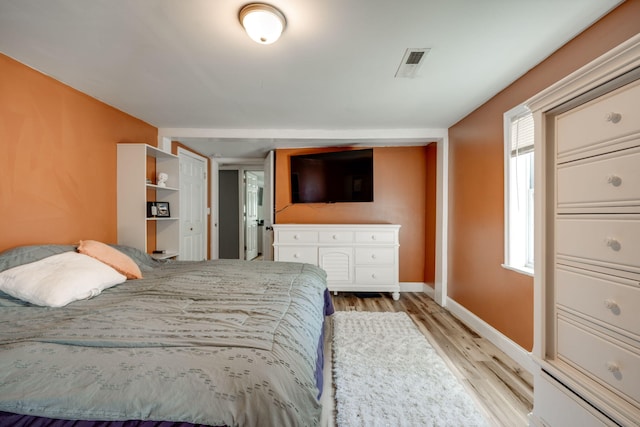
{"type": "Point", "coordinates": [614, 180]}
{"type": "Point", "coordinates": [335, 237]}
{"type": "Point", "coordinates": [373, 237]}
{"type": "Point", "coordinates": [611, 304]}
{"type": "Point", "coordinates": [373, 275]}
{"type": "Point", "coordinates": [296, 237]}
{"type": "Point", "coordinates": [373, 256]}
{"type": "Point", "coordinates": [613, 367]}
{"type": "Point", "coordinates": [295, 256]}
{"type": "Point", "coordinates": [614, 244]}
{"type": "Point", "coordinates": [614, 117]}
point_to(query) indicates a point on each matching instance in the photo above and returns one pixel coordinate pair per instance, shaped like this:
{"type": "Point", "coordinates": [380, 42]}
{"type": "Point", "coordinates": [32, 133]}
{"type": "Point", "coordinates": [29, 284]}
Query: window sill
{"type": "Point", "coordinates": [521, 270]}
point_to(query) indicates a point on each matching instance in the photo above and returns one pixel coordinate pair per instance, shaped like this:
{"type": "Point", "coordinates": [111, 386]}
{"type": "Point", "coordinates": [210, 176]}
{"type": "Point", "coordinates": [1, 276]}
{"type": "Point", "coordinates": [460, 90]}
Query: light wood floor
{"type": "Point", "coordinates": [500, 385]}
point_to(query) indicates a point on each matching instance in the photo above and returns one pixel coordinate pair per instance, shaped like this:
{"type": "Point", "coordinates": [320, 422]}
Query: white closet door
{"type": "Point", "coordinates": [193, 205]}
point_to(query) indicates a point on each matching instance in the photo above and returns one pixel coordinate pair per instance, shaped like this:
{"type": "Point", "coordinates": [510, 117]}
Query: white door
{"type": "Point", "coordinates": [251, 215]}
{"type": "Point", "coordinates": [193, 205]}
{"type": "Point", "coordinates": [267, 206]}
{"type": "Point", "coordinates": [214, 184]}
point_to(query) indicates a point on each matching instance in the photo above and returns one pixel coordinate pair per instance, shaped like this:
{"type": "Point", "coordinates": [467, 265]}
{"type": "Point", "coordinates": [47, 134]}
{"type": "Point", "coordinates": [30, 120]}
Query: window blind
{"type": "Point", "coordinates": [522, 135]}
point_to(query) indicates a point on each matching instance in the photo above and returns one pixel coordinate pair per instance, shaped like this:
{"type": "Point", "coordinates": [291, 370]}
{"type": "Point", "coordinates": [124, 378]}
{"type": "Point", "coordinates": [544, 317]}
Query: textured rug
{"type": "Point", "coordinates": [387, 374]}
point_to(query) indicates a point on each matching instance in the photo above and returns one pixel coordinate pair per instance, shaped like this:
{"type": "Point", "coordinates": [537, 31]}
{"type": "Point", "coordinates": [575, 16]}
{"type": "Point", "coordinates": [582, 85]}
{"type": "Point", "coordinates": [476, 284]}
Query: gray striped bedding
{"type": "Point", "coordinates": [215, 343]}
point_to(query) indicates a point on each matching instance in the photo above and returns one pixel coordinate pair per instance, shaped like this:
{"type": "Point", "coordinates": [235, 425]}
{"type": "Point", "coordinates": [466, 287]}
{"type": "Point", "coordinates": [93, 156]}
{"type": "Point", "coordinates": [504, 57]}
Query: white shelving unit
{"type": "Point", "coordinates": [135, 165]}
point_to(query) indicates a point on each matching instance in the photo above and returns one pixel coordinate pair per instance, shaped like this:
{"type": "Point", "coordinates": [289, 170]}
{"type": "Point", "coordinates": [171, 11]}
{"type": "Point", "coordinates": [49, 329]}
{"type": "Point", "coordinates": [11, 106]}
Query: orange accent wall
{"type": "Point", "coordinates": [58, 159]}
{"type": "Point", "coordinates": [500, 297]}
{"type": "Point", "coordinates": [401, 196]}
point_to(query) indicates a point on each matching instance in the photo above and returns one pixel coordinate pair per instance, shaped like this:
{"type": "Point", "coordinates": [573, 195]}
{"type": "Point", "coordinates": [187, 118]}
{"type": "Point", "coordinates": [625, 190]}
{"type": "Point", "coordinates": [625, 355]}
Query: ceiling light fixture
{"type": "Point", "coordinates": [262, 22]}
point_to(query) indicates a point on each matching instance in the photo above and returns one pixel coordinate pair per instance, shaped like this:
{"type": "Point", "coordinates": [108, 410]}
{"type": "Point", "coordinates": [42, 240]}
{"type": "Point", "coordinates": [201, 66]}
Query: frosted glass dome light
{"type": "Point", "coordinates": [262, 22]}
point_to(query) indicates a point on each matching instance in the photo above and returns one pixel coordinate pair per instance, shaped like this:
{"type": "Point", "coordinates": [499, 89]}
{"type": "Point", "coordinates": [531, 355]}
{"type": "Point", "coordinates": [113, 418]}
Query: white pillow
{"type": "Point", "coordinates": [57, 280]}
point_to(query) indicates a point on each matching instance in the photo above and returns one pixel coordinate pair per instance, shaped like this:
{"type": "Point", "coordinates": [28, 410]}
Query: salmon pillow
{"type": "Point", "coordinates": [110, 256]}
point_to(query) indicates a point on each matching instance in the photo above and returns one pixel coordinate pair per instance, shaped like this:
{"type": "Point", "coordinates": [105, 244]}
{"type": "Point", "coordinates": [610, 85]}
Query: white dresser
{"type": "Point", "coordinates": [356, 257]}
{"type": "Point", "coordinates": [589, 353]}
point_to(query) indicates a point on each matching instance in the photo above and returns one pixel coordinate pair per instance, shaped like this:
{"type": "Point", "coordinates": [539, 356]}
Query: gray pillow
{"type": "Point", "coordinates": [26, 254]}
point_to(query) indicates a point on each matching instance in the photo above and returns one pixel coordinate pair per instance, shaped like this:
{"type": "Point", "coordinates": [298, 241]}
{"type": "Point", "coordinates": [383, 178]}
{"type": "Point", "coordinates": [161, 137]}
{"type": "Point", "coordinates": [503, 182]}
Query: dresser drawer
{"type": "Point", "coordinates": [593, 125]}
{"type": "Point", "coordinates": [612, 363]}
{"type": "Point", "coordinates": [608, 299]}
{"type": "Point", "coordinates": [611, 241]}
{"type": "Point", "coordinates": [376, 256]}
{"type": "Point", "coordinates": [305, 254]}
{"type": "Point", "coordinates": [550, 395]}
{"type": "Point", "coordinates": [376, 275]}
{"type": "Point", "coordinates": [608, 180]}
{"type": "Point", "coordinates": [335, 236]}
{"type": "Point", "coordinates": [375, 236]}
{"type": "Point", "coordinates": [297, 236]}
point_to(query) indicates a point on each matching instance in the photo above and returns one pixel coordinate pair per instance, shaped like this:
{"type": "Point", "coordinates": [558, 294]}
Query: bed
{"type": "Point", "coordinates": [212, 343]}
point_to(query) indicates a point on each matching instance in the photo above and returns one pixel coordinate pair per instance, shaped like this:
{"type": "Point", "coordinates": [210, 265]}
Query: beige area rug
{"type": "Point", "coordinates": [386, 373]}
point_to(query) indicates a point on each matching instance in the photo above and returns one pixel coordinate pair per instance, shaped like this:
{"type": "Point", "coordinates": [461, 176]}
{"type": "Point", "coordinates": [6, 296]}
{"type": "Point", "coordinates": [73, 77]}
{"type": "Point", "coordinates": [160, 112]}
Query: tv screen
{"type": "Point", "coordinates": [332, 177]}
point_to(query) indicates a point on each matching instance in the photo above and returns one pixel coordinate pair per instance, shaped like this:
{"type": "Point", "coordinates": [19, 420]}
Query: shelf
{"type": "Point", "coordinates": [166, 255]}
{"type": "Point", "coordinates": [137, 164]}
{"type": "Point", "coordinates": [157, 187]}
{"type": "Point", "coordinates": [158, 153]}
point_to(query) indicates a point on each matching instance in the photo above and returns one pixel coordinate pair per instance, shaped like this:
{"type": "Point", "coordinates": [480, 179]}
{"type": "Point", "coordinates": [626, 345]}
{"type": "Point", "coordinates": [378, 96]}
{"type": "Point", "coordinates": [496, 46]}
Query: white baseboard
{"type": "Point", "coordinates": [497, 338]}
{"type": "Point", "coordinates": [429, 290]}
{"type": "Point", "coordinates": [416, 287]}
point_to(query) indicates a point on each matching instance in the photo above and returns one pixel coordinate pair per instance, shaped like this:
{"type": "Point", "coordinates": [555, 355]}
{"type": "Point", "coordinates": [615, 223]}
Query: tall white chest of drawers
{"type": "Point", "coordinates": [356, 257]}
{"type": "Point", "coordinates": [589, 326]}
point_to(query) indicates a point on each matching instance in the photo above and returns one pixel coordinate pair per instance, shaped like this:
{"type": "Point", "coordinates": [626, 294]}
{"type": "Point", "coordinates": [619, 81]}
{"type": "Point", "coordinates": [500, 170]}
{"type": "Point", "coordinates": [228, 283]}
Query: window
{"type": "Point", "coordinates": [518, 129]}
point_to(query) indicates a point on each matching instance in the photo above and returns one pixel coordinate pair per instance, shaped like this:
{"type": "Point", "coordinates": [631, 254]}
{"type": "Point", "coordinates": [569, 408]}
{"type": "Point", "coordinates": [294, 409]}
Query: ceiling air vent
{"type": "Point", "coordinates": [411, 62]}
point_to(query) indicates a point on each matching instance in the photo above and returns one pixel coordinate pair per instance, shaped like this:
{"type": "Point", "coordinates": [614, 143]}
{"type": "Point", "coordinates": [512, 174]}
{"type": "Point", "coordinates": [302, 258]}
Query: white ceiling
{"type": "Point", "coordinates": [188, 68]}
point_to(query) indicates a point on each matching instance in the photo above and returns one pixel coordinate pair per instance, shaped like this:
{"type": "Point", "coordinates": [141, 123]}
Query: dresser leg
{"type": "Point", "coordinates": [395, 296]}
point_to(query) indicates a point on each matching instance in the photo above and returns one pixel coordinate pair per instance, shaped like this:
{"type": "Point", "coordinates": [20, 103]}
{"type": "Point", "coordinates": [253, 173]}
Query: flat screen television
{"type": "Point", "coordinates": [332, 177]}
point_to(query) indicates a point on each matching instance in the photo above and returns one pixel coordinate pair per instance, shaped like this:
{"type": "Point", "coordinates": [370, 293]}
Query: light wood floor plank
{"type": "Point", "coordinates": [498, 383]}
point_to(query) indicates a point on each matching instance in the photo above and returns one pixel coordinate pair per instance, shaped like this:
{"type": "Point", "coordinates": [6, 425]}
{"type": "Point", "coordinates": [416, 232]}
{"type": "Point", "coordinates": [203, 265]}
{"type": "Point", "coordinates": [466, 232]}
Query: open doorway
{"type": "Point", "coordinates": [240, 212]}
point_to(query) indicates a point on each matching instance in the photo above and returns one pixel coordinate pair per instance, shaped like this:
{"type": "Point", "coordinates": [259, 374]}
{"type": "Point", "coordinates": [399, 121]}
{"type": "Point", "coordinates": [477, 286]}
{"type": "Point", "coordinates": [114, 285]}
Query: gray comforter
{"type": "Point", "coordinates": [217, 343]}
